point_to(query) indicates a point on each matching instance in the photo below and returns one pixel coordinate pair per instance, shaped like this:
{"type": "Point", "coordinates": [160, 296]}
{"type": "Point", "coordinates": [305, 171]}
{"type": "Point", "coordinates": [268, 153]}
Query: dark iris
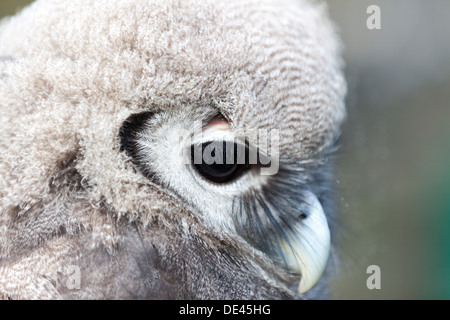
{"type": "Point", "coordinates": [220, 161]}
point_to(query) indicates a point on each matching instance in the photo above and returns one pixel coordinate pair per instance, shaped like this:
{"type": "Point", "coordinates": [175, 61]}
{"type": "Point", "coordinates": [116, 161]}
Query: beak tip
{"type": "Point", "coordinates": [309, 246]}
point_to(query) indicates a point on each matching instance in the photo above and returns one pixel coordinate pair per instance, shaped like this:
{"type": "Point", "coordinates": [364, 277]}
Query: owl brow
{"type": "Point", "coordinates": [295, 165]}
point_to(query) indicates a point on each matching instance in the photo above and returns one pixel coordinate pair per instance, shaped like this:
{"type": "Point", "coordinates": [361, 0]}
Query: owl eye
{"type": "Point", "coordinates": [220, 161]}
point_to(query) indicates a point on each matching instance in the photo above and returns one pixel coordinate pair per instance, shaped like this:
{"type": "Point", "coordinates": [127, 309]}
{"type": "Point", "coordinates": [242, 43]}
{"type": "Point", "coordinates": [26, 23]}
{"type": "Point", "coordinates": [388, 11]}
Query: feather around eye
{"type": "Point", "coordinates": [287, 221]}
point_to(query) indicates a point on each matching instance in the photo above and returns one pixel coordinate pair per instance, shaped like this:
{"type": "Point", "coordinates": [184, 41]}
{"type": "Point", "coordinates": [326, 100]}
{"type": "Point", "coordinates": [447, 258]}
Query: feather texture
{"type": "Point", "coordinates": [72, 191]}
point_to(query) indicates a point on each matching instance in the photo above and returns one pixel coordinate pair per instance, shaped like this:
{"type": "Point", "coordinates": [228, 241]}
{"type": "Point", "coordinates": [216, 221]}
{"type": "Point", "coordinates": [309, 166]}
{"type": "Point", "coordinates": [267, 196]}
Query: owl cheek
{"type": "Point", "coordinates": [307, 246]}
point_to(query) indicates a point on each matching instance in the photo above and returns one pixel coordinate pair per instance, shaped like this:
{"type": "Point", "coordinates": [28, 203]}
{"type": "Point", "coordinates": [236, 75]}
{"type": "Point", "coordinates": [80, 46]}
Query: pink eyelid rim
{"type": "Point", "coordinates": [218, 124]}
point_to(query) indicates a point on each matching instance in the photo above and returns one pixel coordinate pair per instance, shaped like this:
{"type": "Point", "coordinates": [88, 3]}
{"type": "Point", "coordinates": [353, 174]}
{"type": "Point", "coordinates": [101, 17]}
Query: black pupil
{"type": "Point", "coordinates": [217, 161]}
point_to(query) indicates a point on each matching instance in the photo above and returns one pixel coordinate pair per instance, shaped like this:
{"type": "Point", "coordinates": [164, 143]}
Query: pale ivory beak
{"type": "Point", "coordinates": [307, 249]}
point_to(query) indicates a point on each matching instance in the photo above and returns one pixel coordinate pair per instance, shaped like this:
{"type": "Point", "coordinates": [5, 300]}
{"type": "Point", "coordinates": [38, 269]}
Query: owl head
{"type": "Point", "coordinates": [168, 148]}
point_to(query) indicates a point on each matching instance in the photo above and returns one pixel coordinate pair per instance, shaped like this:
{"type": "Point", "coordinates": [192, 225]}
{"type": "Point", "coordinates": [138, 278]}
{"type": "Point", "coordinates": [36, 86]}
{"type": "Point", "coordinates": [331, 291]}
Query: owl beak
{"type": "Point", "coordinates": [307, 247]}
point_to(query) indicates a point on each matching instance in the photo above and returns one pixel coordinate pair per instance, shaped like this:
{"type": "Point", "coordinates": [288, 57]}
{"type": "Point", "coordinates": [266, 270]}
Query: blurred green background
{"type": "Point", "coordinates": [393, 168]}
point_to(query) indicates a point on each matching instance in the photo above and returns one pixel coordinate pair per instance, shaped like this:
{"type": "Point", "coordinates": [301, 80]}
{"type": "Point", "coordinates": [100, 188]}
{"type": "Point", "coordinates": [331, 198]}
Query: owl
{"type": "Point", "coordinates": [168, 149]}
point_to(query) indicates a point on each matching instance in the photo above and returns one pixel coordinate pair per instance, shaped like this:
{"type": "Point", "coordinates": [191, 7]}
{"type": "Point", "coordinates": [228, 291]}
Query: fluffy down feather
{"type": "Point", "coordinates": [71, 73]}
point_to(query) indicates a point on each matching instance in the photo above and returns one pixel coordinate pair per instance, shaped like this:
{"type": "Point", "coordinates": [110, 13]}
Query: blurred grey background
{"type": "Point", "coordinates": [393, 167]}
